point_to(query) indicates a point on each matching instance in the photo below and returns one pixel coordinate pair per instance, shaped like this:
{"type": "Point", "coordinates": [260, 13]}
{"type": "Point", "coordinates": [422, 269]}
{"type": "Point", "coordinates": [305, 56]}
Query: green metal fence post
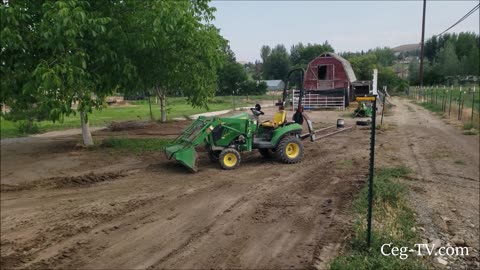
{"type": "Point", "coordinates": [371, 170]}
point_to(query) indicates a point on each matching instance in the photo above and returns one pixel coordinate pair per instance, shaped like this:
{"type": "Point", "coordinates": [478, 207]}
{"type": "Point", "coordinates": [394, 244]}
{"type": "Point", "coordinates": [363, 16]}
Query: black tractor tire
{"type": "Point", "coordinates": [229, 159]}
{"type": "Point", "coordinates": [363, 123]}
{"type": "Point", "coordinates": [289, 150]}
{"type": "Point", "coordinates": [265, 152]}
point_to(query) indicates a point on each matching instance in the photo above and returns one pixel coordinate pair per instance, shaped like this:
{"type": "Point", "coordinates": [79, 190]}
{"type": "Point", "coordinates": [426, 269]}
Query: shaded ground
{"type": "Point", "coordinates": [67, 207]}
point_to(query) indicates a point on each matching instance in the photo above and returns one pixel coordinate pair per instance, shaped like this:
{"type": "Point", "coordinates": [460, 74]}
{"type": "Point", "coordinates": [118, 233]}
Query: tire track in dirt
{"type": "Point", "coordinates": [53, 254]}
{"type": "Point", "coordinates": [264, 205]}
{"type": "Point", "coordinates": [84, 180]}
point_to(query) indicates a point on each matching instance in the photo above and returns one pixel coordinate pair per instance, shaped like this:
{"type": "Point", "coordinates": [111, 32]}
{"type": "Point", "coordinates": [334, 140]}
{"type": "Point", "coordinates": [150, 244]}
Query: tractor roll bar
{"type": "Point", "coordinates": [288, 79]}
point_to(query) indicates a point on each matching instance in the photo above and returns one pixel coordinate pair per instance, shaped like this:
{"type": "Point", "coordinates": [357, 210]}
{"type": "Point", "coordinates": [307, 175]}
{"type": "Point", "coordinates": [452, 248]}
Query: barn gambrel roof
{"type": "Point", "coordinates": [346, 65]}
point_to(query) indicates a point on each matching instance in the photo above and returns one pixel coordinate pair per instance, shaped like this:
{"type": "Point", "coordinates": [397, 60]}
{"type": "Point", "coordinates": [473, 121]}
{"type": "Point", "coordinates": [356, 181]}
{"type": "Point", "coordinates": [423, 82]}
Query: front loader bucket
{"type": "Point", "coordinates": [186, 155]}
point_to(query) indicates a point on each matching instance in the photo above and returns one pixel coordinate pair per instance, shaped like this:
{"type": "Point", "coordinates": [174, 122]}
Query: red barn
{"type": "Point", "coordinates": [330, 75]}
{"type": "Point", "coordinates": [328, 71]}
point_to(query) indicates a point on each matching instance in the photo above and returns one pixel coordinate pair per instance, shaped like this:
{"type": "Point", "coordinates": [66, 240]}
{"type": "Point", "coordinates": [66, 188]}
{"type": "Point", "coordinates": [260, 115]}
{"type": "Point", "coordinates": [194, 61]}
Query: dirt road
{"type": "Point", "coordinates": [65, 207]}
{"type": "Point", "coordinates": [445, 185]}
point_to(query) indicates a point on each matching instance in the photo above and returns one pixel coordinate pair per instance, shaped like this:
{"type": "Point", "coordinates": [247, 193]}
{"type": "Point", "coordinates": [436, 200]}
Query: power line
{"type": "Point", "coordinates": [461, 19]}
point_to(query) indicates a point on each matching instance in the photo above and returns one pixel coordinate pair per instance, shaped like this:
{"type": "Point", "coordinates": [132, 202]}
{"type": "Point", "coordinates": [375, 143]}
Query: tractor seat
{"type": "Point", "coordinates": [278, 120]}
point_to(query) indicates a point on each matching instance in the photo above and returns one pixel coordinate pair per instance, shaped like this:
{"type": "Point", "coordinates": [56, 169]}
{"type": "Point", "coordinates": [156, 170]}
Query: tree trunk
{"type": "Point", "coordinates": [87, 136]}
{"type": "Point", "coordinates": [150, 107]}
{"type": "Point", "coordinates": [163, 110]}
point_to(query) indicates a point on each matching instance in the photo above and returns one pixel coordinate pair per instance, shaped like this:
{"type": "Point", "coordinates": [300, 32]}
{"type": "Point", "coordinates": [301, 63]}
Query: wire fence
{"type": "Point", "coordinates": [456, 102]}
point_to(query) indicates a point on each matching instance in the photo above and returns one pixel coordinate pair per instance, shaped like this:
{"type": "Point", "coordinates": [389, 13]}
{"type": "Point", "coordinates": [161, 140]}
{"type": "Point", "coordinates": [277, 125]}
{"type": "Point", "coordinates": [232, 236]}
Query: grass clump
{"type": "Point", "coordinates": [135, 145]}
{"type": "Point", "coordinates": [392, 223]}
{"type": "Point", "coordinates": [436, 108]}
{"type": "Point", "coordinates": [460, 162]}
{"type": "Point", "coordinates": [468, 125]}
{"type": "Point", "coordinates": [470, 132]}
{"type": "Point", "coordinates": [345, 164]}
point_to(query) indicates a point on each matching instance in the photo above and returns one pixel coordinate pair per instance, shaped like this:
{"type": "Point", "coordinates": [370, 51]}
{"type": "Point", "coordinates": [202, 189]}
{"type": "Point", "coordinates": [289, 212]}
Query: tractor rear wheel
{"type": "Point", "coordinates": [229, 159]}
{"type": "Point", "coordinates": [289, 150]}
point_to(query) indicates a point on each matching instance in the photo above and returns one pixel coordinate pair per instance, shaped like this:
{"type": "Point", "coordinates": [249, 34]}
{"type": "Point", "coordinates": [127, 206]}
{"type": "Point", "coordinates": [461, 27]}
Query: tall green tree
{"type": "Point", "coordinates": [175, 50]}
{"type": "Point", "coordinates": [448, 60]}
{"type": "Point", "coordinates": [230, 78]}
{"type": "Point", "coordinates": [64, 57]}
{"type": "Point", "coordinates": [69, 58]}
{"type": "Point", "coordinates": [301, 55]}
{"type": "Point", "coordinates": [277, 64]}
{"type": "Point", "coordinates": [265, 52]}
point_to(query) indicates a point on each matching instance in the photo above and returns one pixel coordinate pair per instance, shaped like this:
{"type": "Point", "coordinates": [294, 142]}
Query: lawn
{"type": "Point", "coordinates": [139, 110]}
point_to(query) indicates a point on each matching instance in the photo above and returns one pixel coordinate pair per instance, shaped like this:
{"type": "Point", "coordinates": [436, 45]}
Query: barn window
{"type": "Point", "coordinates": [322, 72]}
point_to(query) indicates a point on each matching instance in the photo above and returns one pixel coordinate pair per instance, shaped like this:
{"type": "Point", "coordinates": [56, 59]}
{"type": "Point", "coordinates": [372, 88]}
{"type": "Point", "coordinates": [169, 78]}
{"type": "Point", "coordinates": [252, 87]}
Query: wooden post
{"type": "Point", "coordinates": [450, 103]}
{"type": "Point", "coordinates": [473, 103]}
{"type": "Point", "coordinates": [459, 102]}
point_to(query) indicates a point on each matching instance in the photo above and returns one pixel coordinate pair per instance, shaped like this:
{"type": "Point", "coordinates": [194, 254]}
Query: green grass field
{"type": "Point", "coordinates": [139, 110]}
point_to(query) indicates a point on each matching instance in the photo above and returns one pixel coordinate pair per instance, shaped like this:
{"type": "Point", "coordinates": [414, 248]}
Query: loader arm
{"type": "Point", "coordinates": [182, 148]}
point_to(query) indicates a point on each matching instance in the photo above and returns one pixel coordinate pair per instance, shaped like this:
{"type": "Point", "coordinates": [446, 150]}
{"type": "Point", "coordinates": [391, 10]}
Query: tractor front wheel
{"type": "Point", "coordinates": [289, 150]}
{"type": "Point", "coordinates": [229, 159]}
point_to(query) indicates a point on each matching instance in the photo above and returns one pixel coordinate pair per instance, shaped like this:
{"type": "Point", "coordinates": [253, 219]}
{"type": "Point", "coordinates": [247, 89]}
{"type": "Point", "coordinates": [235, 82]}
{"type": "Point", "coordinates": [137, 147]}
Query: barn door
{"type": "Point", "coordinates": [326, 75]}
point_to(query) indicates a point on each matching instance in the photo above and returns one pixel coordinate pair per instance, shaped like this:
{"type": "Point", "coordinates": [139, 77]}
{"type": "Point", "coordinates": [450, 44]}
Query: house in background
{"type": "Point", "coordinates": [274, 87]}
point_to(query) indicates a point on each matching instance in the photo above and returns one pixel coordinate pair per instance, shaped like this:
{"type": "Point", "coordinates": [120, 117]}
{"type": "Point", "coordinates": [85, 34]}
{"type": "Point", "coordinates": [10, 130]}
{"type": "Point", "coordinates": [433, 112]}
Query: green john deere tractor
{"type": "Point", "coordinates": [225, 138]}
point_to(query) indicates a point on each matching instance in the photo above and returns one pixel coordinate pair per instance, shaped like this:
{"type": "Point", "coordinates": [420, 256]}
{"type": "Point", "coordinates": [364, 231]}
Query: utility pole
{"type": "Point", "coordinates": [421, 45]}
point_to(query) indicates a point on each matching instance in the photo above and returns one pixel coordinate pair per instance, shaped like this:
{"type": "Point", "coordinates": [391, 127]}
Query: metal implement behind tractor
{"type": "Point", "coordinates": [226, 137]}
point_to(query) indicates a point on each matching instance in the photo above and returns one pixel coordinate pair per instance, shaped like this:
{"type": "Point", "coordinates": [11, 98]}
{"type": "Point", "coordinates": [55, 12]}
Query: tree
{"type": "Point", "coordinates": [253, 88]}
{"type": "Point", "coordinates": [63, 55]}
{"type": "Point", "coordinates": [277, 64]}
{"type": "Point", "coordinates": [301, 55]}
{"type": "Point", "coordinates": [175, 50]}
{"type": "Point", "coordinates": [265, 52]}
{"type": "Point", "coordinates": [431, 48]}
{"type": "Point", "coordinates": [363, 65]}
{"type": "Point", "coordinates": [230, 78]}
{"type": "Point", "coordinates": [413, 72]}
{"type": "Point", "coordinates": [448, 60]}
{"type": "Point", "coordinates": [385, 56]}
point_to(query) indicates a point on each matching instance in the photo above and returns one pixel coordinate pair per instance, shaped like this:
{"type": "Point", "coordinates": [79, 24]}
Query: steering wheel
{"type": "Point", "coordinates": [257, 110]}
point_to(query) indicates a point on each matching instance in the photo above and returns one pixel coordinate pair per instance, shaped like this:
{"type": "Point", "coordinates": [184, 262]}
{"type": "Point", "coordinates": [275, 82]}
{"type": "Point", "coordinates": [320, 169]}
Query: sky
{"type": "Point", "coordinates": [347, 25]}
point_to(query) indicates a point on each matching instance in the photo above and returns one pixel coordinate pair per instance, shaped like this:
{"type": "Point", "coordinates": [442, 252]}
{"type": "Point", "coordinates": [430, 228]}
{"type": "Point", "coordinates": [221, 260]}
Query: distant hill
{"type": "Point", "coordinates": [407, 48]}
